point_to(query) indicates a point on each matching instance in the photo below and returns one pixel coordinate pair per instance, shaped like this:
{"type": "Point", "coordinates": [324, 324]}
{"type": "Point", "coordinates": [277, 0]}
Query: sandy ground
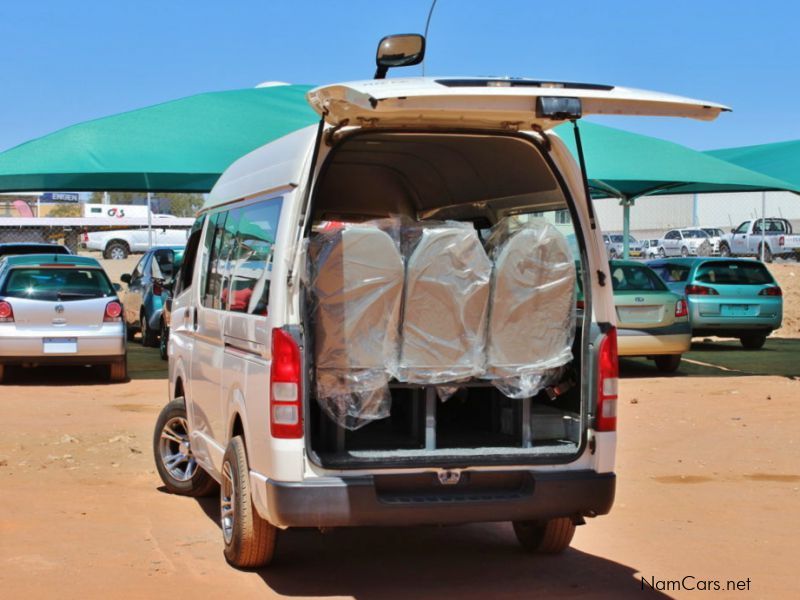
{"type": "Point", "coordinates": [708, 487]}
{"type": "Point", "coordinates": [787, 274]}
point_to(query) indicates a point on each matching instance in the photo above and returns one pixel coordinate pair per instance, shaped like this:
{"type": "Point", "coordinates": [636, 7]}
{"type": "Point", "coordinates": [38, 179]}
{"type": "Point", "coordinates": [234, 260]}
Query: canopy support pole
{"type": "Point", "coordinates": [763, 223]}
{"type": "Point", "coordinates": [149, 221]}
{"type": "Point", "coordinates": [626, 226]}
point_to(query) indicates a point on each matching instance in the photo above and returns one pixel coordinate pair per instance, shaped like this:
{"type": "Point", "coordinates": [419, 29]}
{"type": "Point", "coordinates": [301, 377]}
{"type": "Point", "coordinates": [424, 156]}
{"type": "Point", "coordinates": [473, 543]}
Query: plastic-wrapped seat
{"type": "Point", "coordinates": [356, 286]}
{"type": "Point", "coordinates": [532, 306]}
{"type": "Point", "coordinates": [443, 331]}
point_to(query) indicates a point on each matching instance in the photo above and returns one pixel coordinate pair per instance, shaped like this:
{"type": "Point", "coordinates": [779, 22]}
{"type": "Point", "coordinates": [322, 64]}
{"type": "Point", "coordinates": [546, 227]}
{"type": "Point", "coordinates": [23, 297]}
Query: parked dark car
{"type": "Point", "coordinates": [143, 297]}
{"type": "Point", "coordinates": [18, 248]}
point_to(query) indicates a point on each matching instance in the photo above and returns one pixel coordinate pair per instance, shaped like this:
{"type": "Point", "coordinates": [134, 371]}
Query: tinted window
{"type": "Point", "coordinates": [672, 235]}
{"type": "Point", "coordinates": [635, 278]}
{"type": "Point", "coordinates": [713, 232]}
{"type": "Point", "coordinates": [186, 270]}
{"type": "Point", "coordinates": [213, 284]}
{"type": "Point", "coordinates": [672, 273]}
{"type": "Point", "coordinates": [250, 266]}
{"type": "Point", "coordinates": [772, 226]}
{"type": "Point", "coordinates": [57, 284]}
{"type": "Point", "coordinates": [733, 272]}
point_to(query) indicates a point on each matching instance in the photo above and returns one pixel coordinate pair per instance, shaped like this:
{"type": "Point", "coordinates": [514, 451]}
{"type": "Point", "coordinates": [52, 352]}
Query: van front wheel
{"type": "Point", "coordinates": [249, 539]}
{"type": "Point", "coordinates": [545, 537]}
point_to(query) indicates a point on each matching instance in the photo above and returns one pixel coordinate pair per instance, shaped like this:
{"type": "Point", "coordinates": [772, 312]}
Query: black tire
{"type": "Point", "coordinates": [116, 250]}
{"type": "Point", "coordinates": [545, 537]}
{"type": "Point", "coordinates": [662, 253]}
{"type": "Point", "coordinates": [196, 482]}
{"type": "Point", "coordinates": [668, 363]}
{"type": "Point", "coordinates": [118, 371]}
{"type": "Point", "coordinates": [767, 254]}
{"type": "Point", "coordinates": [724, 250]}
{"type": "Point", "coordinates": [163, 339]}
{"type": "Point", "coordinates": [684, 252]}
{"type": "Point", "coordinates": [612, 254]}
{"type": "Point", "coordinates": [249, 539]}
{"type": "Point", "coordinates": [130, 332]}
{"type": "Point", "coordinates": [149, 336]}
{"type": "Point", "coordinates": [753, 341]}
{"type": "Point", "coordinates": [2, 373]}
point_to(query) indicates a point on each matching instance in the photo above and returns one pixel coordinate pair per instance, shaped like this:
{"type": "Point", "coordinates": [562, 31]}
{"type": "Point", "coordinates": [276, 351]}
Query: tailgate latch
{"type": "Point", "coordinates": [449, 477]}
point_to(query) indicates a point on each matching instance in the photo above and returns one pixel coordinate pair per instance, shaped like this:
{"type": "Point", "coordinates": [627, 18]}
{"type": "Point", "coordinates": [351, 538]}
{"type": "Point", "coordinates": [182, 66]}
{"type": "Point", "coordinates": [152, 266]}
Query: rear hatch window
{"type": "Point", "coordinates": [733, 273]}
{"type": "Point", "coordinates": [672, 273]}
{"type": "Point", "coordinates": [635, 278]}
{"type": "Point", "coordinates": [57, 284]}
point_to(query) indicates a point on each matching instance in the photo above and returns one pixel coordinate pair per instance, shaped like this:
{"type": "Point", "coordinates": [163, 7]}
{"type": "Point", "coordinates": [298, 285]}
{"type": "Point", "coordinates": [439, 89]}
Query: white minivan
{"type": "Point", "coordinates": [375, 322]}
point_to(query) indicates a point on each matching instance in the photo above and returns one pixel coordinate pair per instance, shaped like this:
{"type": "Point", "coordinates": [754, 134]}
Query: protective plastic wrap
{"type": "Point", "coordinates": [356, 287]}
{"type": "Point", "coordinates": [443, 332]}
{"type": "Point", "coordinates": [532, 306]}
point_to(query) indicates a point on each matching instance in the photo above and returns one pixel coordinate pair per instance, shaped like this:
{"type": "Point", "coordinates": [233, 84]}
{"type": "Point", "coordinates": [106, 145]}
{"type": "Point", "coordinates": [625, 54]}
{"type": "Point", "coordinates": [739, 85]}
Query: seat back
{"type": "Point", "coordinates": [532, 306]}
{"type": "Point", "coordinates": [443, 330]}
{"type": "Point", "coordinates": [357, 289]}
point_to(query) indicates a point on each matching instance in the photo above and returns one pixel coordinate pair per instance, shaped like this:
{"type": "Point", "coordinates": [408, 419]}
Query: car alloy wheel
{"type": "Point", "coordinates": [117, 253]}
{"type": "Point", "coordinates": [175, 449]}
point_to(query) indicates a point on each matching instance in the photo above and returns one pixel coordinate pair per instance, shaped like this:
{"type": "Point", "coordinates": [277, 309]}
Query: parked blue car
{"type": "Point", "coordinates": [142, 299]}
{"type": "Point", "coordinates": [728, 297]}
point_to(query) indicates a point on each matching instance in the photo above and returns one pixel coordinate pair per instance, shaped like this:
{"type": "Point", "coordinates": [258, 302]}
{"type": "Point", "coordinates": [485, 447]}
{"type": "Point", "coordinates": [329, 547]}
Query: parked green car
{"type": "Point", "coordinates": [651, 320]}
{"type": "Point", "coordinates": [728, 297]}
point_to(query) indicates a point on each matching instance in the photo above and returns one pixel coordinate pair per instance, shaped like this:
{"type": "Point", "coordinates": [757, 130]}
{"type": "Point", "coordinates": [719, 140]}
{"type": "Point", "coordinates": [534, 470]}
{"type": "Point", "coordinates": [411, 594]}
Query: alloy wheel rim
{"type": "Point", "coordinates": [175, 450]}
{"type": "Point", "coordinates": [117, 254]}
{"type": "Point", "coordinates": [226, 498]}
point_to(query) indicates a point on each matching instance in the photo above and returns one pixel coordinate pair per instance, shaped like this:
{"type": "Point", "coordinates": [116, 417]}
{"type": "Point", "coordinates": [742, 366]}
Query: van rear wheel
{"type": "Point", "coordinates": [545, 537]}
{"type": "Point", "coordinates": [249, 539]}
{"type": "Point", "coordinates": [172, 450]}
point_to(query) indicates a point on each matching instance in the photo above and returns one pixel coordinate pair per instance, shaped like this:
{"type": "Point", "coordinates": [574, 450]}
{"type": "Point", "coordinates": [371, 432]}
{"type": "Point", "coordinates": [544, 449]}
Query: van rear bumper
{"type": "Point", "coordinates": [418, 499]}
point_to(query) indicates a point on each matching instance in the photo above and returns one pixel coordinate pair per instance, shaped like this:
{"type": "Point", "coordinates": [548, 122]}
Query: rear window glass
{"type": "Point", "coordinates": [733, 272]}
{"type": "Point", "coordinates": [18, 249]}
{"type": "Point", "coordinates": [60, 284]}
{"type": "Point", "coordinates": [695, 234]}
{"type": "Point", "coordinates": [635, 278]}
{"type": "Point", "coordinates": [672, 273]}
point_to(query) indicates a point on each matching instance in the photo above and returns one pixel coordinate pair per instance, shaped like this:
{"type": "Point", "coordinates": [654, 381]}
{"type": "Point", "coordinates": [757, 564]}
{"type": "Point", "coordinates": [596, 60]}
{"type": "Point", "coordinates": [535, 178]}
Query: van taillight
{"type": "Point", "coordinates": [680, 308]}
{"type": "Point", "coordinates": [286, 410]}
{"type": "Point", "coordinates": [606, 418]}
{"type": "Point", "coordinates": [113, 312]}
{"type": "Point", "coordinates": [700, 290]}
{"type": "Point", "coordinates": [6, 312]}
{"type": "Point", "coordinates": [771, 291]}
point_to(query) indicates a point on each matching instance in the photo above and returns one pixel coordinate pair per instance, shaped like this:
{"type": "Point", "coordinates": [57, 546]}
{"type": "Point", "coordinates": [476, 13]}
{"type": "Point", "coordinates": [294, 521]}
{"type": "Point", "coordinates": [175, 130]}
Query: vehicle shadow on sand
{"type": "Point", "coordinates": [466, 561]}
{"type": "Point", "coordinates": [725, 358]}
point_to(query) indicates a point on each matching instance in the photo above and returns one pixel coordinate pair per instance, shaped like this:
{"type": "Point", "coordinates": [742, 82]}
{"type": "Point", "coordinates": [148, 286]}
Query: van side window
{"type": "Point", "coordinates": [251, 264]}
{"type": "Point", "coordinates": [185, 275]}
{"type": "Point", "coordinates": [213, 276]}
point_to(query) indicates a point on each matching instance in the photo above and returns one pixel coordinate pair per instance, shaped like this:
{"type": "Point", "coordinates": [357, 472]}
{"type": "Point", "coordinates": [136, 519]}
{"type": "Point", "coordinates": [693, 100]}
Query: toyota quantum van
{"type": "Point", "coordinates": [375, 322]}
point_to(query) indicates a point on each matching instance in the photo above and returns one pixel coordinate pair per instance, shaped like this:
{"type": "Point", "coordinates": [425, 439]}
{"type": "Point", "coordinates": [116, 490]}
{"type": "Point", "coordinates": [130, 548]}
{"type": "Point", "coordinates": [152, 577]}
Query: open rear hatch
{"type": "Point", "coordinates": [492, 103]}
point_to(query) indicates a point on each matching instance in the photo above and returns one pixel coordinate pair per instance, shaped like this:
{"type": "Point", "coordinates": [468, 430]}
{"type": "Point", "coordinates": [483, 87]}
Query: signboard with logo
{"type": "Point", "coordinates": [60, 197]}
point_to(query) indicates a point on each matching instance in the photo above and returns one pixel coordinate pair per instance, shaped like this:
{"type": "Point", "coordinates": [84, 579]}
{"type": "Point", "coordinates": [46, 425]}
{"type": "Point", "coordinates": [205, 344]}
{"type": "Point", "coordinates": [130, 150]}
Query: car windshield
{"type": "Point", "coordinates": [638, 278]}
{"type": "Point", "coordinates": [166, 263]}
{"type": "Point", "coordinates": [57, 284]}
{"type": "Point", "coordinates": [729, 272]}
{"type": "Point", "coordinates": [18, 249]}
{"type": "Point", "coordinates": [672, 273]}
{"type": "Point", "coordinates": [694, 233]}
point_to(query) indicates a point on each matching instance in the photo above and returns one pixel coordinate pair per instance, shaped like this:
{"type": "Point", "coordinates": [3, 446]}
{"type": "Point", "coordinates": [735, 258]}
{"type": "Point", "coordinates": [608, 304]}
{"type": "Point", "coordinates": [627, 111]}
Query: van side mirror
{"type": "Point", "coordinates": [125, 278]}
{"type": "Point", "coordinates": [401, 50]}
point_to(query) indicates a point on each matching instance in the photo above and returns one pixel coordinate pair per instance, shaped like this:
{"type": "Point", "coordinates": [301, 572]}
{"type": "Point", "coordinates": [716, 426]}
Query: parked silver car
{"type": "Point", "coordinates": [60, 309]}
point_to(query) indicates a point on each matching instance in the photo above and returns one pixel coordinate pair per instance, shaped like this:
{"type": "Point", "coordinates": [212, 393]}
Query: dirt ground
{"type": "Point", "coordinates": [708, 487]}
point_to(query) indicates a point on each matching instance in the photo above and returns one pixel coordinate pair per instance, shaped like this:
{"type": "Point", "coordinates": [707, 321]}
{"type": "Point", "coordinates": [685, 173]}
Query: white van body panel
{"type": "Point", "coordinates": [270, 167]}
{"type": "Point", "coordinates": [410, 101]}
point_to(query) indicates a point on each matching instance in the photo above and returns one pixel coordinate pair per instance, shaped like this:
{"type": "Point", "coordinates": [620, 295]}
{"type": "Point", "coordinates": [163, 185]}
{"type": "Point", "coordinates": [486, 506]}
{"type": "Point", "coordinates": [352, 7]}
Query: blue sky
{"type": "Point", "coordinates": [65, 62]}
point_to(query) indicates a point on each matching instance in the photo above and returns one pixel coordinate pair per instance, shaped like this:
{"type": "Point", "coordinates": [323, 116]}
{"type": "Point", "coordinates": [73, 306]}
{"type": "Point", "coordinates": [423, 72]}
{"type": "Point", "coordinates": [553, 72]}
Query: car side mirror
{"type": "Point", "coordinates": [125, 278]}
{"type": "Point", "coordinates": [402, 50]}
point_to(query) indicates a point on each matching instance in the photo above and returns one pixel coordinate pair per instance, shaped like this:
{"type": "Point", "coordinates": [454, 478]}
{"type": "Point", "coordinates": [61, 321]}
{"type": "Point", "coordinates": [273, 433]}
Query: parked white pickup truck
{"type": "Point", "coordinates": [775, 234]}
{"type": "Point", "coordinates": [118, 244]}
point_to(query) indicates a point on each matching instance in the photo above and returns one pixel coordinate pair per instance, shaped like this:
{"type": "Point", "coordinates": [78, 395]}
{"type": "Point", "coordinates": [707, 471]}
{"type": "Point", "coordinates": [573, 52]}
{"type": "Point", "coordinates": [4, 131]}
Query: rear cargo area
{"type": "Point", "coordinates": [440, 293]}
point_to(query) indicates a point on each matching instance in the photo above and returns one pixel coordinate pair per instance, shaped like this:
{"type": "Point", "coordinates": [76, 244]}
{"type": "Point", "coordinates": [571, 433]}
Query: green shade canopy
{"type": "Point", "coordinates": [781, 160]}
{"type": "Point", "coordinates": [628, 165]}
{"type": "Point", "coordinates": [178, 146]}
